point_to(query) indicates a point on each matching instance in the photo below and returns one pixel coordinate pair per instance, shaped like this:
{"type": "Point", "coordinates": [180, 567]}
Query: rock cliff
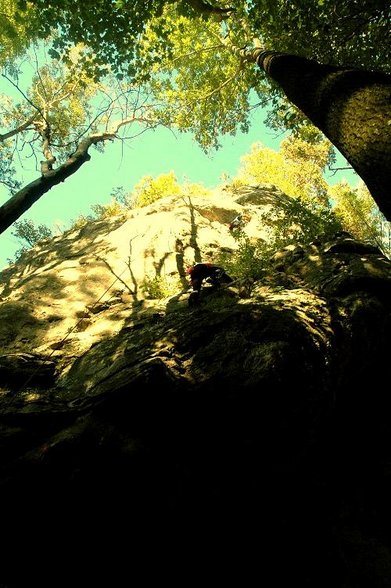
{"type": "Point", "coordinates": [244, 440]}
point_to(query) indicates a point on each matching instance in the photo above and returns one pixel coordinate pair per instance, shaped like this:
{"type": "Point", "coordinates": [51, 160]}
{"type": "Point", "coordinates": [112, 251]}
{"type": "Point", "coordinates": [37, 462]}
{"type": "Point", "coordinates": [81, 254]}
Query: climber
{"type": "Point", "coordinates": [214, 274]}
{"type": "Point", "coordinates": [236, 223]}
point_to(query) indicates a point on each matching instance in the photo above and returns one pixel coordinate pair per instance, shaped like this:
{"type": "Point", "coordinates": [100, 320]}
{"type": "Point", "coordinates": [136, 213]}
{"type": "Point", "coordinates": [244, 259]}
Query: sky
{"type": "Point", "coordinates": [153, 153]}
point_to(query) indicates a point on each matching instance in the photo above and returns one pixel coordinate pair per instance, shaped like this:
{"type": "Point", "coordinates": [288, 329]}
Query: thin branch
{"type": "Point", "coordinates": [335, 169]}
{"type": "Point", "coordinates": [9, 185]}
{"type": "Point", "coordinates": [225, 83]}
{"type": "Point", "coordinates": [67, 93]}
{"type": "Point", "coordinates": [18, 129]}
{"type": "Point", "coordinates": [39, 75]}
{"type": "Point", "coordinates": [24, 95]}
{"type": "Point", "coordinates": [200, 50]}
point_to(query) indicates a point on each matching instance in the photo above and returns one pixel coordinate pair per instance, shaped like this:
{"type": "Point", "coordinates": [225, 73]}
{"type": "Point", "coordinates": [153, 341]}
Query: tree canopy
{"type": "Point", "coordinates": [355, 30]}
{"type": "Point", "coordinates": [191, 40]}
{"type": "Point", "coordinates": [189, 64]}
{"type": "Point", "coordinates": [297, 169]}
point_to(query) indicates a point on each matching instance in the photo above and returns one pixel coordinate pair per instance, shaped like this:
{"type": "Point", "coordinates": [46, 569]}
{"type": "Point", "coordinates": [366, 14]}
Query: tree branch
{"type": "Point", "coordinates": [27, 196]}
{"type": "Point", "coordinates": [206, 8]}
{"type": "Point", "coordinates": [335, 169]}
{"type": "Point", "coordinates": [24, 95]}
{"type": "Point", "coordinates": [18, 129]}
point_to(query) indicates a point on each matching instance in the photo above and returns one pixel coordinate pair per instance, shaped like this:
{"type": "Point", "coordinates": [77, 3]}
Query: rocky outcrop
{"type": "Point", "coordinates": [245, 439]}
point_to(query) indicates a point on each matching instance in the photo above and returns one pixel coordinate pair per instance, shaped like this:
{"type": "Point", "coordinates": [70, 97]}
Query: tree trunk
{"type": "Point", "coordinates": [351, 107]}
{"type": "Point", "coordinates": [17, 205]}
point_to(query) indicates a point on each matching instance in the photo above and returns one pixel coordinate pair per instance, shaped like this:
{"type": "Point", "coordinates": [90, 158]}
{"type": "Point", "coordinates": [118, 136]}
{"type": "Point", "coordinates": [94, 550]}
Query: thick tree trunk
{"type": "Point", "coordinates": [25, 198]}
{"type": "Point", "coordinates": [351, 107]}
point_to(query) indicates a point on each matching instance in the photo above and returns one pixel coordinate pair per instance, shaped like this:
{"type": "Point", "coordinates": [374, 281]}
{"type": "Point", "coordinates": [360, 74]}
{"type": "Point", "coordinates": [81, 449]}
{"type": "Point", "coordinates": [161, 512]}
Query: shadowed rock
{"type": "Point", "coordinates": [246, 439]}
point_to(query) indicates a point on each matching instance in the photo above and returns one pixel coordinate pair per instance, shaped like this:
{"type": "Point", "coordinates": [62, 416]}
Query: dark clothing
{"type": "Point", "coordinates": [207, 271]}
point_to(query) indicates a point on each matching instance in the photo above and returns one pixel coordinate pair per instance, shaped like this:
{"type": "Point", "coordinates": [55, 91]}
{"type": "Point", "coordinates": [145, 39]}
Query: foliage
{"type": "Point", "coordinates": [297, 169]}
{"type": "Point", "coordinates": [118, 205]}
{"type": "Point", "coordinates": [7, 167]}
{"type": "Point", "coordinates": [110, 30]}
{"type": "Point", "coordinates": [352, 33]}
{"type": "Point", "coordinates": [104, 211]}
{"type": "Point", "coordinates": [195, 91]}
{"type": "Point", "coordinates": [149, 189]}
{"type": "Point", "coordinates": [17, 30]}
{"type": "Point", "coordinates": [249, 261]}
{"type": "Point", "coordinates": [28, 234]}
{"type": "Point", "coordinates": [303, 222]}
{"type": "Point", "coordinates": [99, 212]}
{"type": "Point", "coordinates": [26, 230]}
{"type": "Point", "coordinates": [361, 216]}
{"type": "Point", "coordinates": [61, 116]}
{"type": "Point", "coordinates": [293, 222]}
{"type": "Point", "coordinates": [356, 30]}
{"type": "Point", "coordinates": [55, 112]}
{"type": "Point", "coordinates": [195, 189]}
{"type": "Point", "coordinates": [159, 287]}
{"type": "Point", "coordinates": [80, 221]}
{"type": "Point", "coordinates": [180, 46]}
{"type": "Point", "coordinates": [121, 196]}
{"type": "Point", "coordinates": [341, 32]}
{"type": "Point", "coordinates": [63, 106]}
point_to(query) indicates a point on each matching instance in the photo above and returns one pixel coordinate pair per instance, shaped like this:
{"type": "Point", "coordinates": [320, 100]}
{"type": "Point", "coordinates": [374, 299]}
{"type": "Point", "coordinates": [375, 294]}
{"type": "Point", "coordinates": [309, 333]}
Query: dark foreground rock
{"type": "Point", "coordinates": [246, 440]}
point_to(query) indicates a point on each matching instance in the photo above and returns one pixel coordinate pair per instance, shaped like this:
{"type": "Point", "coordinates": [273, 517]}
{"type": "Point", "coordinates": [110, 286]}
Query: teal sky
{"type": "Point", "coordinates": [124, 164]}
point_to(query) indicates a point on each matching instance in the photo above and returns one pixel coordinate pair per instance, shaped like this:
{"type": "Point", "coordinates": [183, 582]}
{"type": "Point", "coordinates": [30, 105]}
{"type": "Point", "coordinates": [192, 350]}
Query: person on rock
{"type": "Point", "coordinates": [236, 223]}
{"type": "Point", "coordinates": [214, 274]}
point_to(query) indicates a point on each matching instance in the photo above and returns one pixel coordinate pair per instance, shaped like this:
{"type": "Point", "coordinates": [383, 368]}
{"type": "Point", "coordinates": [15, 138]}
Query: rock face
{"type": "Point", "coordinates": [244, 440]}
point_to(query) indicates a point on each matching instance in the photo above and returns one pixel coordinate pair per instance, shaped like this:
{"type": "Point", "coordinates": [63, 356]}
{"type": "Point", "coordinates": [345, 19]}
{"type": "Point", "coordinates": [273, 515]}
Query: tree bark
{"type": "Point", "coordinates": [25, 198]}
{"type": "Point", "coordinates": [351, 107]}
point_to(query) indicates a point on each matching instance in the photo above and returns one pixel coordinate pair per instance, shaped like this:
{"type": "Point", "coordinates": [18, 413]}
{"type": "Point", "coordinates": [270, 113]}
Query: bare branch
{"type": "Point", "coordinates": [39, 73]}
{"type": "Point", "coordinates": [18, 129]}
{"type": "Point", "coordinates": [335, 169]}
{"type": "Point", "coordinates": [23, 94]}
{"type": "Point", "coordinates": [197, 51]}
{"type": "Point", "coordinates": [11, 210]}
